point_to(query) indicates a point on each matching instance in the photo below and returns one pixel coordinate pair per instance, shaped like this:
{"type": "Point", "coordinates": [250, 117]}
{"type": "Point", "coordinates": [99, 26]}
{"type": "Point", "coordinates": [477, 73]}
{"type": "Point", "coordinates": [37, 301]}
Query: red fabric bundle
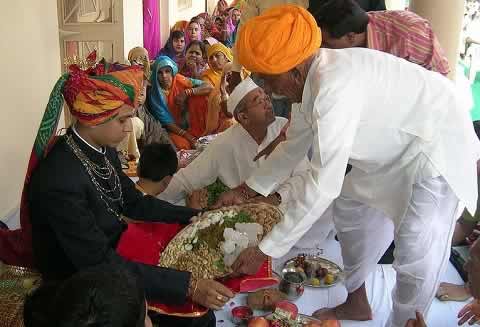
{"type": "Point", "coordinates": [143, 242]}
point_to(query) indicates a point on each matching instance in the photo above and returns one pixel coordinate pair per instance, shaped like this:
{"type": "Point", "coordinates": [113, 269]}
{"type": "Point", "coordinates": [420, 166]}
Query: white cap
{"type": "Point", "coordinates": [240, 91]}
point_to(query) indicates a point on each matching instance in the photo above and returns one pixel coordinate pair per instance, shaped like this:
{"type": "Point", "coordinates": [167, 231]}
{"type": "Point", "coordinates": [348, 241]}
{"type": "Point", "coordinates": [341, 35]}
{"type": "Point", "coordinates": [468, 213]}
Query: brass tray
{"type": "Point", "coordinates": [15, 284]}
{"type": "Point", "coordinates": [203, 265]}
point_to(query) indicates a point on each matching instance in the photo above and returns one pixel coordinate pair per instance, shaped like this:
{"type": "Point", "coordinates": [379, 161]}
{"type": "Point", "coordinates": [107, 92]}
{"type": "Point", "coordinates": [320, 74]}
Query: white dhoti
{"type": "Point", "coordinates": [422, 244]}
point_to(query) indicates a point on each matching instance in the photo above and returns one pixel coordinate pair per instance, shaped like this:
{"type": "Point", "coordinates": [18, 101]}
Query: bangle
{"type": "Point", "coordinates": [193, 91]}
{"type": "Point", "coordinates": [188, 92]}
{"type": "Point", "coordinates": [182, 132]}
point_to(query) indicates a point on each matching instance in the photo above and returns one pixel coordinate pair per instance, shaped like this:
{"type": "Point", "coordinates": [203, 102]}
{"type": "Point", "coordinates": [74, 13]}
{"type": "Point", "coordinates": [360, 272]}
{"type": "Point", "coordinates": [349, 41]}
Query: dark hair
{"type": "Point", "coordinates": [104, 296]}
{"type": "Point", "coordinates": [175, 35]}
{"type": "Point", "coordinates": [200, 44]}
{"type": "Point", "coordinates": [339, 17]}
{"type": "Point", "coordinates": [168, 49]}
{"type": "Point", "coordinates": [157, 161]}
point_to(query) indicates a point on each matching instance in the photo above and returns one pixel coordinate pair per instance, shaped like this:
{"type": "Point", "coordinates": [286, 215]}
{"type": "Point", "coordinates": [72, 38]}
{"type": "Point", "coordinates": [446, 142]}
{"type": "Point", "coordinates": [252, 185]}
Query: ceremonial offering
{"type": "Point", "coordinates": [207, 196]}
{"type": "Point", "coordinates": [317, 271]}
{"type": "Point", "coordinates": [208, 247]}
{"type": "Point", "coordinates": [279, 320]}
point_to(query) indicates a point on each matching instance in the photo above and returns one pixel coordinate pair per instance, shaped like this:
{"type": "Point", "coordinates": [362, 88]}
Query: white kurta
{"type": "Point", "coordinates": [230, 158]}
{"type": "Point", "coordinates": [393, 121]}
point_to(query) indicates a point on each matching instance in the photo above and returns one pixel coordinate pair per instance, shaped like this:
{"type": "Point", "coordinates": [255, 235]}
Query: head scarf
{"type": "Point", "coordinates": [140, 55]}
{"type": "Point", "coordinates": [219, 47]}
{"type": "Point", "coordinates": [168, 49]}
{"type": "Point", "coordinates": [181, 25]}
{"type": "Point", "coordinates": [98, 97]}
{"type": "Point", "coordinates": [156, 97]}
{"type": "Point", "coordinates": [278, 40]}
{"type": "Point", "coordinates": [163, 61]}
{"type": "Point", "coordinates": [187, 35]}
{"type": "Point", "coordinates": [211, 41]}
{"type": "Point", "coordinates": [240, 91]}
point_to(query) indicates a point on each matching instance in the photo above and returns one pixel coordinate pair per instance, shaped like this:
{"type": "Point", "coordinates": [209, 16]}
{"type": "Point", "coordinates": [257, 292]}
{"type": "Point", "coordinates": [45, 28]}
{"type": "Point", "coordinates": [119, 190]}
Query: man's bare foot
{"type": "Point", "coordinates": [345, 311]}
{"type": "Point", "coordinates": [452, 292]}
{"type": "Point", "coordinates": [356, 307]}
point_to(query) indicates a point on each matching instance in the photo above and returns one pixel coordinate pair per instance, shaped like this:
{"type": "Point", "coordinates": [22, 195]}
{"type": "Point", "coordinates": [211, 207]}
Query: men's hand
{"type": "Point", "coordinates": [211, 294]}
{"type": "Point", "coordinates": [470, 313]}
{"type": "Point", "coordinates": [269, 148]}
{"type": "Point", "coordinates": [419, 322]}
{"type": "Point", "coordinates": [230, 198]}
{"type": "Point", "coordinates": [196, 199]}
{"type": "Point", "coordinates": [249, 261]}
{"type": "Point", "coordinates": [271, 199]}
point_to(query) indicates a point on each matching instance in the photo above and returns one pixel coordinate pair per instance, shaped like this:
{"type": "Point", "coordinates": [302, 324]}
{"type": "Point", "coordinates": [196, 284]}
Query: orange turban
{"type": "Point", "coordinates": [96, 99]}
{"type": "Point", "coordinates": [278, 40]}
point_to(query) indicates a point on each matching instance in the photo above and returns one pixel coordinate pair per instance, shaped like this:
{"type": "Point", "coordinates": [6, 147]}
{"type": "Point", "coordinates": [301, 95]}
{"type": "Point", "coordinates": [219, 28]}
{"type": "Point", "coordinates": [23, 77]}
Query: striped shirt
{"type": "Point", "coordinates": [406, 35]}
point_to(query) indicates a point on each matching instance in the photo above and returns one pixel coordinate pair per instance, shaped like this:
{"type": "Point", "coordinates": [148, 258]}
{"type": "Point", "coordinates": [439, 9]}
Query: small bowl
{"type": "Point", "coordinates": [292, 284]}
{"type": "Point", "coordinates": [241, 315]}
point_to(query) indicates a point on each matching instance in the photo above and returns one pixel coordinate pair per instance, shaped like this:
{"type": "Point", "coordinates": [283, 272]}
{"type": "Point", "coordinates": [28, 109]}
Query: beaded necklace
{"type": "Point", "coordinates": [102, 172]}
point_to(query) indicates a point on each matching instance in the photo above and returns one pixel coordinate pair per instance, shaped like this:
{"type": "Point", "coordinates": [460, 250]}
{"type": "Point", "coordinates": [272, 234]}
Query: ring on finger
{"type": "Point", "coordinates": [219, 297]}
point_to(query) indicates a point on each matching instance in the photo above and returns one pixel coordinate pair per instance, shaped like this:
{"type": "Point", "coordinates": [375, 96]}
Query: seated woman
{"type": "Point", "coordinates": [175, 48]}
{"type": "Point", "coordinates": [178, 102]}
{"type": "Point", "coordinates": [151, 129]}
{"type": "Point", "coordinates": [193, 32]}
{"type": "Point", "coordinates": [218, 117]}
{"type": "Point", "coordinates": [196, 60]}
{"type": "Point", "coordinates": [78, 194]}
{"type": "Point", "coordinates": [218, 56]}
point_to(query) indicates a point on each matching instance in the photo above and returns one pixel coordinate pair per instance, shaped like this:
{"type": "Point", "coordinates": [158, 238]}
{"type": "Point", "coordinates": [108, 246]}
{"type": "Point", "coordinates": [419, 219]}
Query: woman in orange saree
{"type": "Point", "coordinates": [178, 102]}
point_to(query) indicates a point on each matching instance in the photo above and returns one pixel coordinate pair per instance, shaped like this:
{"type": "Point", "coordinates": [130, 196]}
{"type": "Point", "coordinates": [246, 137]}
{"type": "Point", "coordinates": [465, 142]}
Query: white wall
{"type": "Point", "coordinates": [133, 25]}
{"type": "Point", "coordinates": [170, 14]}
{"type": "Point", "coordinates": [30, 66]}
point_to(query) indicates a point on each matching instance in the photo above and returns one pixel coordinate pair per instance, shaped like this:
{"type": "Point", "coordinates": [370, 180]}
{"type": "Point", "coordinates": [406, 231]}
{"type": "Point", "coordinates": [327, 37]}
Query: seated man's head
{"type": "Point", "coordinates": [473, 268]}
{"type": "Point", "coordinates": [99, 296]}
{"type": "Point", "coordinates": [343, 23]}
{"type": "Point", "coordinates": [157, 164]}
{"type": "Point", "coordinates": [251, 106]}
{"type": "Point", "coordinates": [104, 103]}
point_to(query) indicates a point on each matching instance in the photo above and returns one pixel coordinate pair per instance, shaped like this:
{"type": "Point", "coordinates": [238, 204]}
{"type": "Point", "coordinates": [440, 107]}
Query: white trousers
{"type": "Point", "coordinates": [422, 244]}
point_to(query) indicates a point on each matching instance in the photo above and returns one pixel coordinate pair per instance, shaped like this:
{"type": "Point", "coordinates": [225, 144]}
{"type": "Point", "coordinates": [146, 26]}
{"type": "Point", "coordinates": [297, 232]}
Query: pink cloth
{"type": "Point", "coordinates": [151, 27]}
{"type": "Point", "coordinates": [406, 35]}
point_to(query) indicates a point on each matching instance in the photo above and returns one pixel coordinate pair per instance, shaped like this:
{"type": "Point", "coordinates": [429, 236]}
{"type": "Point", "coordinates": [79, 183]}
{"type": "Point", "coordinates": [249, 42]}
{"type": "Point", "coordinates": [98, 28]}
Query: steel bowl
{"type": "Point", "coordinates": [292, 284]}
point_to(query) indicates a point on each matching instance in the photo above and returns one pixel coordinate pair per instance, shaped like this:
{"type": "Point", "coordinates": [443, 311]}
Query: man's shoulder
{"type": "Point", "coordinates": [58, 167]}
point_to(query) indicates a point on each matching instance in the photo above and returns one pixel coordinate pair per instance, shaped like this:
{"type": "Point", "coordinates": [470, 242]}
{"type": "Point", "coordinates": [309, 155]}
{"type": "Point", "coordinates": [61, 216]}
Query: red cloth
{"type": "Point", "coordinates": [143, 243]}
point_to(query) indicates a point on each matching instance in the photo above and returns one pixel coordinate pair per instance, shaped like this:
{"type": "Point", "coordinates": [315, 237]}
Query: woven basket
{"type": "Point", "coordinates": [15, 284]}
{"type": "Point", "coordinates": [202, 262]}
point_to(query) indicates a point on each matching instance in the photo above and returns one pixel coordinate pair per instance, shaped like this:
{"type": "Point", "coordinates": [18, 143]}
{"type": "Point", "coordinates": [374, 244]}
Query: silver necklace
{"type": "Point", "coordinates": [101, 171]}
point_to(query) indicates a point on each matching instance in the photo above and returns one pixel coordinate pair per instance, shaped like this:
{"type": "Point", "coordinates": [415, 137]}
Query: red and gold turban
{"type": "Point", "coordinates": [278, 40]}
{"type": "Point", "coordinates": [96, 99]}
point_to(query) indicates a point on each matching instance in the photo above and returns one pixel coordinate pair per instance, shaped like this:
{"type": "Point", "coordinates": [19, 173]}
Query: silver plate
{"type": "Point", "coordinates": [316, 261]}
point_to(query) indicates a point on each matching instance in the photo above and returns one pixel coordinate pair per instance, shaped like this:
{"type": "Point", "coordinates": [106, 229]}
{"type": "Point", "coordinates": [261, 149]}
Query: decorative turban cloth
{"type": "Point", "coordinates": [219, 47]}
{"type": "Point", "coordinates": [240, 91]}
{"type": "Point", "coordinates": [278, 40]}
{"type": "Point", "coordinates": [96, 99]}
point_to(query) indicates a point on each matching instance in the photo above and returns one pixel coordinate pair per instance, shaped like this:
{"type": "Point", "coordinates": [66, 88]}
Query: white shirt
{"type": "Point", "coordinates": [230, 159]}
{"type": "Point", "coordinates": [393, 121]}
